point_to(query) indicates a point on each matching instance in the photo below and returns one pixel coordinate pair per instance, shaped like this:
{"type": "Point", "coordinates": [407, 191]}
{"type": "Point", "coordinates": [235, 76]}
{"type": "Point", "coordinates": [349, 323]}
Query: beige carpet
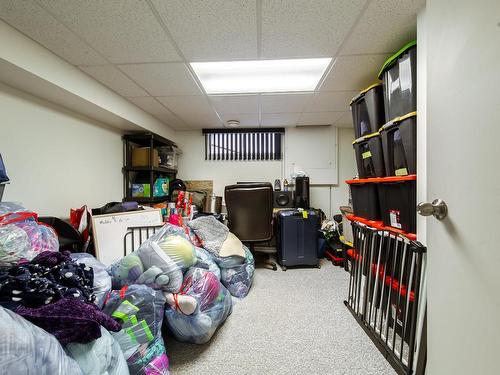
{"type": "Point", "coordinates": [292, 322]}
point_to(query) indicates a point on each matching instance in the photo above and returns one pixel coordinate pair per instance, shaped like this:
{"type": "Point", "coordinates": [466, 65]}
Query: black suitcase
{"type": "Point", "coordinates": [298, 238]}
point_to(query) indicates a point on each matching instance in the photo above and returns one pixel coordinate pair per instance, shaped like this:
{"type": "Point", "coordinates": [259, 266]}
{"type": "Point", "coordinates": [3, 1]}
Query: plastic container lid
{"type": "Point", "coordinates": [411, 177]}
{"type": "Point", "coordinates": [363, 92]}
{"type": "Point", "coordinates": [391, 60]}
{"type": "Point", "coordinates": [396, 121]}
{"type": "Point", "coordinates": [380, 226]}
{"type": "Point", "coordinates": [365, 137]}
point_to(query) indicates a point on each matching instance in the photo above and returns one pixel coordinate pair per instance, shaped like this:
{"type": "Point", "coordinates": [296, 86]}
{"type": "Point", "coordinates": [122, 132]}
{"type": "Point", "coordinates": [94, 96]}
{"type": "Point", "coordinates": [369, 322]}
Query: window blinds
{"type": "Point", "coordinates": [243, 144]}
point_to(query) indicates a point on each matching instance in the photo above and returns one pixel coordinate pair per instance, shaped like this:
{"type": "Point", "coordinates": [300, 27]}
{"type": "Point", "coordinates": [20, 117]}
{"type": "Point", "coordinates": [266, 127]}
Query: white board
{"type": "Point", "coordinates": [313, 150]}
{"type": "Point", "coordinates": [109, 230]}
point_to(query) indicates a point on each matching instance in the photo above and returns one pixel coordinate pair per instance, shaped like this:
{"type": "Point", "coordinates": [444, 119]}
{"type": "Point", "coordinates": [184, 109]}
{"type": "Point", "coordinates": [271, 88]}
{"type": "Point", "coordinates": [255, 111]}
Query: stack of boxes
{"type": "Point", "coordinates": [384, 117]}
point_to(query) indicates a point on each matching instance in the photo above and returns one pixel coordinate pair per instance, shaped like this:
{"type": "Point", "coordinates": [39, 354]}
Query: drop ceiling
{"type": "Point", "coordinates": [141, 49]}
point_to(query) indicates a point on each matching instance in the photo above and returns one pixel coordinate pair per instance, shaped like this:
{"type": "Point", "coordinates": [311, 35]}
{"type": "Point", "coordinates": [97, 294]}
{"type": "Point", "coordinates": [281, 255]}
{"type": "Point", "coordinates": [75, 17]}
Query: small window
{"type": "Point", "coordinates": [243, 144]}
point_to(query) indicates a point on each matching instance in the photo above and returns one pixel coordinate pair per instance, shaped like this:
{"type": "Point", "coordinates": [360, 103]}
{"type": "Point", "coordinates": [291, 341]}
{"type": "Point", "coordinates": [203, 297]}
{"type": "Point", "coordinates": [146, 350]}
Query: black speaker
{"type": "Point", "coordinates": [302, 192]}
{"type": "Point", "coordinates": [283, 199]}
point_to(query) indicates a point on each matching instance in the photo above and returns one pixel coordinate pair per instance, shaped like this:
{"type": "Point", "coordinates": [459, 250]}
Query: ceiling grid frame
{"type": "Point", "coordinates": [351, 62]}
{"type": "Point", "coordinates": [107, 60]}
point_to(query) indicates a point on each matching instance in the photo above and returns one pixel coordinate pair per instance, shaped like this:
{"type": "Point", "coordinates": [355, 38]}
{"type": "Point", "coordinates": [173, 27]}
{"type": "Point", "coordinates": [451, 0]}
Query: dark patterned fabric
{"type": "Point", "coordinates": [70, 320]}
{"type": "Point", "coordinates": [49, 277]}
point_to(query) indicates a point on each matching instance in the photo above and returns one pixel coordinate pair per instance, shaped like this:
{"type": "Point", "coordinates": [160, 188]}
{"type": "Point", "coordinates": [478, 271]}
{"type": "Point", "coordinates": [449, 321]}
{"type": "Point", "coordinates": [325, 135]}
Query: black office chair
{"type": "Point", "coordinates": [250, 214]}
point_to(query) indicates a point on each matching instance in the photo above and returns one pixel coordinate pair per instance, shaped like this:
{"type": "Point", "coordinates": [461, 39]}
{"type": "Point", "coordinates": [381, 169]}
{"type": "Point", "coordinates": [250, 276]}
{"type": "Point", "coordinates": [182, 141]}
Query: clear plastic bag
{"type": "Point", "coordinates": [140, 310]}
{"type": "Point", "coordinates": [238, 278]}
{"type": "Point", "coordinates": [14, 245]}
{"type": "Point", "coordinates": [29, 350]}
{"type": "Point", "coordinates": [204, 260]}
{"type": "Point", "coordinates": [21, 236]}
{"type": "Point", "coordinates": [102, 281]}
{"type": "Point", "coordinates": [101, 356]}
{"type": "Point", "coordinates": [159, 262]}
{"type": "Point", "coordinates": [208, 305]}
{"type": "Point", "coordinates": [11, 207]}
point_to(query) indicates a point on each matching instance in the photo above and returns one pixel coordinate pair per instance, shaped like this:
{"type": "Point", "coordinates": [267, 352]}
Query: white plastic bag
{"type": "Point", "coordinates": [29, 350]}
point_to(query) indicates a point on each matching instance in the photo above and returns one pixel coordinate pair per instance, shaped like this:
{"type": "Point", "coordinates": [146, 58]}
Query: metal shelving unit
{"type": "Point", "coordinates": [152, 141]}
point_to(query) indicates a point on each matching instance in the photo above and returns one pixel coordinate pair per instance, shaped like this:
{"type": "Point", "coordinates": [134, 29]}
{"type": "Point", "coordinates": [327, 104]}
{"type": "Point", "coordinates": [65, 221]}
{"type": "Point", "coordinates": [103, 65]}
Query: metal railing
{"type": "Point", "coordinates": [135, 236]}
{"type": "Point", "coordinates": [384, 291]}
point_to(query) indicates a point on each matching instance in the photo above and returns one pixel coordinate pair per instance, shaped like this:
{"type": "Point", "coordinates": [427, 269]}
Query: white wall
{"type": "Point", "coordinates": [32, 68]}
{"type": "Point", "coordinates": [56, 160]}
{"type": "Point", "coordinates": [193, 166]}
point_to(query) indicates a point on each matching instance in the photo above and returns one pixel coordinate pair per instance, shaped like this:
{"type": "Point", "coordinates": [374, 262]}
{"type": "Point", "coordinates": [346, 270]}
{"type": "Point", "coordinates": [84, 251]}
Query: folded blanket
{"type": "Point", "coordinates": [70, 320]}
{"type": "Point", "coordinates": [211, 232]}
{"type": "Point", "coordinates": [49, 277]}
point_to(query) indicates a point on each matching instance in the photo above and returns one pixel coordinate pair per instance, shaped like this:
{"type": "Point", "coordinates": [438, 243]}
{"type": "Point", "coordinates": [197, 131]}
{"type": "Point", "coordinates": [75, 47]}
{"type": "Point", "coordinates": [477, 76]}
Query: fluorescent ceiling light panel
{"type": "Point", "coordinates": [239, 77]}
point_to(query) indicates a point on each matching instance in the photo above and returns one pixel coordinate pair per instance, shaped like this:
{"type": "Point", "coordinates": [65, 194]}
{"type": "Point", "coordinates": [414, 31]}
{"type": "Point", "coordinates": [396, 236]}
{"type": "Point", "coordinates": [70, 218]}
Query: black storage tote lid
{"type": "Point", "coordinates": [392, 60]}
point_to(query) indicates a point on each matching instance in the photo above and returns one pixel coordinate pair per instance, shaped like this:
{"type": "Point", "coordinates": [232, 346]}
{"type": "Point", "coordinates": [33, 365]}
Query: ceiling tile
{"type": "Point", "coordinates": [235, 103]}
{"type": "Point", "coordinates": [193, 110]}
{"type": "Point", "coordinates": [305, 28]}
{"type": "Point", "coordinates": [247, 120]}
{"type": "Point", "coordinates": [114, 79]}
{"type": "Point", "coordinates": [124, 31]}
{"type": "Point", "coordinates": [155, 108]}
{"type": "Point", "coordinates": [329, 101]}
{"type": "Point", "coordinates": [279, 119]}
{"type": "Point", "coordinates": [353, 72]}
{"type": "Point", "coordinates": [319, 118]}
{"type": "Point", "coordinates": [344, 121]}
{"type": "Point", "coordinates": [41, 26]}
{"type": "Point", "coordinates": [163, 79]}
{"type": "Point", "coordinates": [385, 26]}
{"type": "Point", "coordinates": [212, 30]}
{"type": "Point", "coordinates": [280, 103]}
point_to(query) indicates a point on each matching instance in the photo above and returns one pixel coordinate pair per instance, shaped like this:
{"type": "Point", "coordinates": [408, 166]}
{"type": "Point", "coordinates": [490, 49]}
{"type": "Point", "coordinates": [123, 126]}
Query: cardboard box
{"type": "Point", "coordinates": [140, 157]}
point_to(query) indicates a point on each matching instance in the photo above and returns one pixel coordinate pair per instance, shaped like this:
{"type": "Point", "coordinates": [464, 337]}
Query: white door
{"type": "Point", "coordinates": [463, 169]}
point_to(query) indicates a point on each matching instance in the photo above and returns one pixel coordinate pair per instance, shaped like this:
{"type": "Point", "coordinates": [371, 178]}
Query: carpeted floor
{"type": "Point", "coordinates": [292, 322]}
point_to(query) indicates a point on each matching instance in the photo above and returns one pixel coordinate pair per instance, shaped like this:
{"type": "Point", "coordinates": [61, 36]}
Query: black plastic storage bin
{"type": "Point", "coordinates": [399, 76]}
{"type": "Point", "coordinates": [2, 188]}
{"type": "Point", "coordinates": [398, 202]}
{"type": "Point", "coordinates": [369, 157]}
{"type": "Point", "coordinates": [365, 201]}
{"type": "Point", "coordinates": [368, 110]}
{"type": "Point", "coordinates": [399, 144]}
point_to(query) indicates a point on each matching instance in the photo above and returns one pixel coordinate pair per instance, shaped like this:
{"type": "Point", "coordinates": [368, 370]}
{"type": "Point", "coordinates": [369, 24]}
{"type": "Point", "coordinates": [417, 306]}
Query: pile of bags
{"type": "Point", "coordinates": [198, 267]}
{"type": "Point", "coordinates": [77, 316]}
{"type": "Point", "coordinates": [235, 261]}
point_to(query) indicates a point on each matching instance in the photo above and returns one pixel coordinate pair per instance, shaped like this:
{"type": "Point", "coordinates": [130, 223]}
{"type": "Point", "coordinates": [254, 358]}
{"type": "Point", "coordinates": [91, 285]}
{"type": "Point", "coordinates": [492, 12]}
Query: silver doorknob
{"type": "Point", "coordinates": [437, 208]}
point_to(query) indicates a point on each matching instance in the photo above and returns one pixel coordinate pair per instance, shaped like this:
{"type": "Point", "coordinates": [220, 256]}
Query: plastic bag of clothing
{"type": "Point", "coordinates": [238, 279]}
{"type": "Point", "coordinates": [29, 350]}
{"type": "Point", "coordinates": [101, 356]}
{"type": "Point", "coordinates": [194, 314]}
{"type": "Point", "coordinates": [204, 260]}
{"type": "Point", "coordinates": [102, 281]}
{"type": "Point", "coordinates": [139, 309]}
{"type": "Point", "coordinates": [183, 231]}
{"type": "Point", "coordinates": [21, 236]}
{"type": "Point", "coordinates": [159, 262]}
